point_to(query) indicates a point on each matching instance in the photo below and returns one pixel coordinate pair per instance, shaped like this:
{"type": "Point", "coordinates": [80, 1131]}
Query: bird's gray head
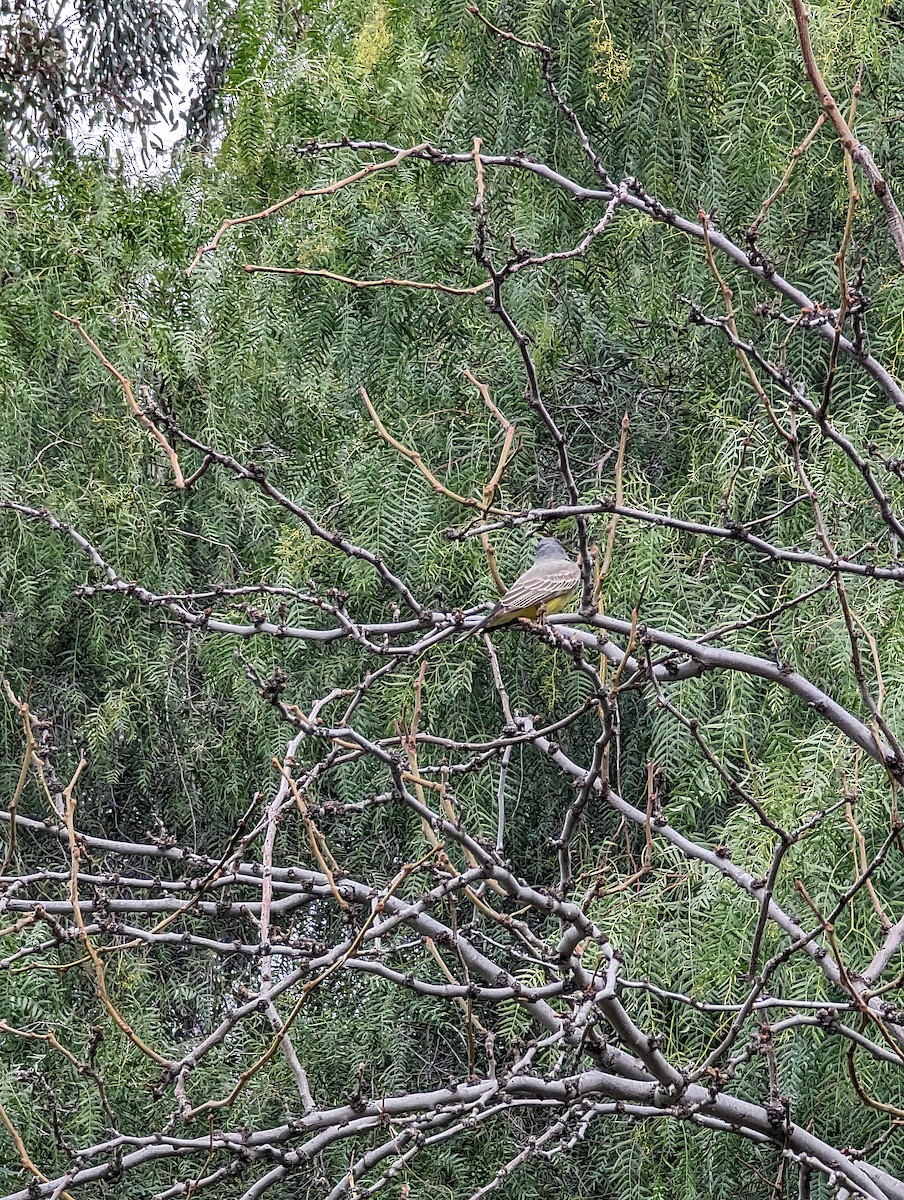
{"type": "Point", "coordinates": [549, 547]}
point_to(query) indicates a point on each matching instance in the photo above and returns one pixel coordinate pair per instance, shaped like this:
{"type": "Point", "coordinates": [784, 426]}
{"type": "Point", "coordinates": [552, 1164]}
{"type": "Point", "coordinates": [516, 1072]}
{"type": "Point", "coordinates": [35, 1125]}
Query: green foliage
{"type": "Point", "coordinates": [704, 105]}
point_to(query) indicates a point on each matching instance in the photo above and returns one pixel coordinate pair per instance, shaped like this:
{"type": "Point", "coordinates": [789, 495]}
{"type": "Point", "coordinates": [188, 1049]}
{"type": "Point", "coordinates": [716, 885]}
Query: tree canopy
{"type": "Point", "coordinates": [304, 893]}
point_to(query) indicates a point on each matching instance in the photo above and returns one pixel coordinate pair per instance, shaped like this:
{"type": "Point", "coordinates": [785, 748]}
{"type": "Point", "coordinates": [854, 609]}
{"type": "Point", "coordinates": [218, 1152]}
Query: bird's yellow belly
{"type": "Point", "coordinates": [554, 605]}
{"type": "Point", "coordinates": [559, 603]}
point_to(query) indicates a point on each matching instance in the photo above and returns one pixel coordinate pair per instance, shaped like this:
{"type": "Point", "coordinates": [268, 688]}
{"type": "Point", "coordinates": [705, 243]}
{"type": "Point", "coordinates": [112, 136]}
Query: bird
{"type": "Point", "coordinates": [546, 587]}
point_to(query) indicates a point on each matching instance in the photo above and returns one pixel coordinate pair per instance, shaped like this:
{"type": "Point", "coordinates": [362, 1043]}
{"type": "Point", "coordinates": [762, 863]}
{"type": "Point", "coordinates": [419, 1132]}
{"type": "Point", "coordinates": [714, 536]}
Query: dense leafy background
{"type": "Point", "coordinates": [703, 104]}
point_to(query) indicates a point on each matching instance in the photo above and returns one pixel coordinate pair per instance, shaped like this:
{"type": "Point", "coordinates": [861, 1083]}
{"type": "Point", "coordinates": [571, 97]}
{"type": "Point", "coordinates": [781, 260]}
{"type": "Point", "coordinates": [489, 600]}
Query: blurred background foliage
{"type": "Point", "coordinates": [703, 104]}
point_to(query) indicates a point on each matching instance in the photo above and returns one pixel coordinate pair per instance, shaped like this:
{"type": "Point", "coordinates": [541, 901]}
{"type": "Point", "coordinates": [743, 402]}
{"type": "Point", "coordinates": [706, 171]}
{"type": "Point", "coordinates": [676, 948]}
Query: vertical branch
{"type": "Point", "coordinates": [480, 253]}
{"type": "Point", "coordinates": [463, 1004]}
{"type": "Point", "coordinates": [840, 258]}
{"type": "Point", "coordinates": [23, 1154]}
{"type": "Point", "coordinates": [320, 850]}
{"type": "Point", "coordinates": [479, 205]}
{"type": "Point", "coordinates": [496, 306]}
{"type": "Point", "coordinates": [603, 570]}
{"type": "Point", "coordinates": [409, 744]}
{"type": "Point", "coordinates": [507, 752]}
{"type": "Point", "coordinates": [30, 748]}
{"type": "Point", "coordinates": [274, 811]}
{"type": "Point", "coordinates": [861, 863]}
{"type": "Point", "coordinates": [858, 152]}
{"type": "Point", "coordinates": [803, 1183]}
{"type": "Point", "coordinates": [75, 853]}
{"type": "Point", "coordinates": [505, 453]}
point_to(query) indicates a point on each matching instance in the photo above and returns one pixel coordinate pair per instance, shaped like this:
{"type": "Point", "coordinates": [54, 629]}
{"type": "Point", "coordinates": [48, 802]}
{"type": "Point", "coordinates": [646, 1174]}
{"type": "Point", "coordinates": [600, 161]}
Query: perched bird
{"type": "Point", "coordinates": [546, 587]}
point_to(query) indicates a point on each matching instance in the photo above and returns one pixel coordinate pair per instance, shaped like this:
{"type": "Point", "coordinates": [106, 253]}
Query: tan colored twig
{"type": "Point", "coordinates": [459, 1000]}
{"type": "Point", "coordinates": [509, 429]}
{"type": "Point", "coordinates": [317, 842]}
{"type": "Point", "coordinates": [23, 1154]}
{"type": "Point", "coordinates": [113, 1012]}
{"type": "Point", "coordinates": [479, 196]}
{"type": "Point", "coordinates": [389, 281]}
{"type": "Point", "coordinates": [870, 1101]}
{"type": "Point", "coordinates": [415, 457]}
{"type": "Point", "coordinates": [409, 745]}
{"type": "Point", "coordinates": [420, 781]}
{"type": "Point", "coordinates": [50, 1039]}
{"type": "Point", "coordinates": [503, 33]}
{"type": "Point", "coordinates": [874, 654]}
{"type": "Point", "coordinates": [857, 150]}
{"type": "Point", "coordinates": [840, 258]}
{"type": "Point", "coordinates": [796, 156]}
{"type": "Point", "coordinates": [829, 930]}
{"type": "Point", "coordinates": [603, 569]}
{"type": "Point", "coordinates": [492, 563]}
{"type": "Point", "coordinates": [861, 863]}
{"type": "Point", "coordinates": [17, 927]}
{"type": "Point", "coordinates": [328, 190]}
{"type": "Point", "coordinates": [30, 747]}
{"type": "Point", "coordinates": [134, 407]}
{"type": "Point", "coordinates": [632, 641]}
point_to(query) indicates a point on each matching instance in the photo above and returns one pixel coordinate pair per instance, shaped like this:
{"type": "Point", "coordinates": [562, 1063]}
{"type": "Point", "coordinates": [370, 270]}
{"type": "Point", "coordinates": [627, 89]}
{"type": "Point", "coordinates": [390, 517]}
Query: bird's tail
{"type": "Point", "coordinates": [479, 628]}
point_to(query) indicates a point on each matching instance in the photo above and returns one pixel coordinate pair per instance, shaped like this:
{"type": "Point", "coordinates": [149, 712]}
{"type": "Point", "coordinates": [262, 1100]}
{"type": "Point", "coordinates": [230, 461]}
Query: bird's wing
{"type": "Point", "coordinates": [539, 583]}
{"type": "Point", "coordinates": [542, 582]}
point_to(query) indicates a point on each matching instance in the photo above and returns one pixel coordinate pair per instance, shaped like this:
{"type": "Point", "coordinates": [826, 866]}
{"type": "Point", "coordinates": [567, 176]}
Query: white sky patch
{"type": "Point", "coordinates": [142, 152]}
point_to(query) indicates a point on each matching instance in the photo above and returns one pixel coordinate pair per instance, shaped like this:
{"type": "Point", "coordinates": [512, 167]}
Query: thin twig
{"type": "Point", "coordinates": [132, 403]}
{"type": "Point", "coordinates": [857, 150]}
{"type": "Point", "coordinates": [418, 285]}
